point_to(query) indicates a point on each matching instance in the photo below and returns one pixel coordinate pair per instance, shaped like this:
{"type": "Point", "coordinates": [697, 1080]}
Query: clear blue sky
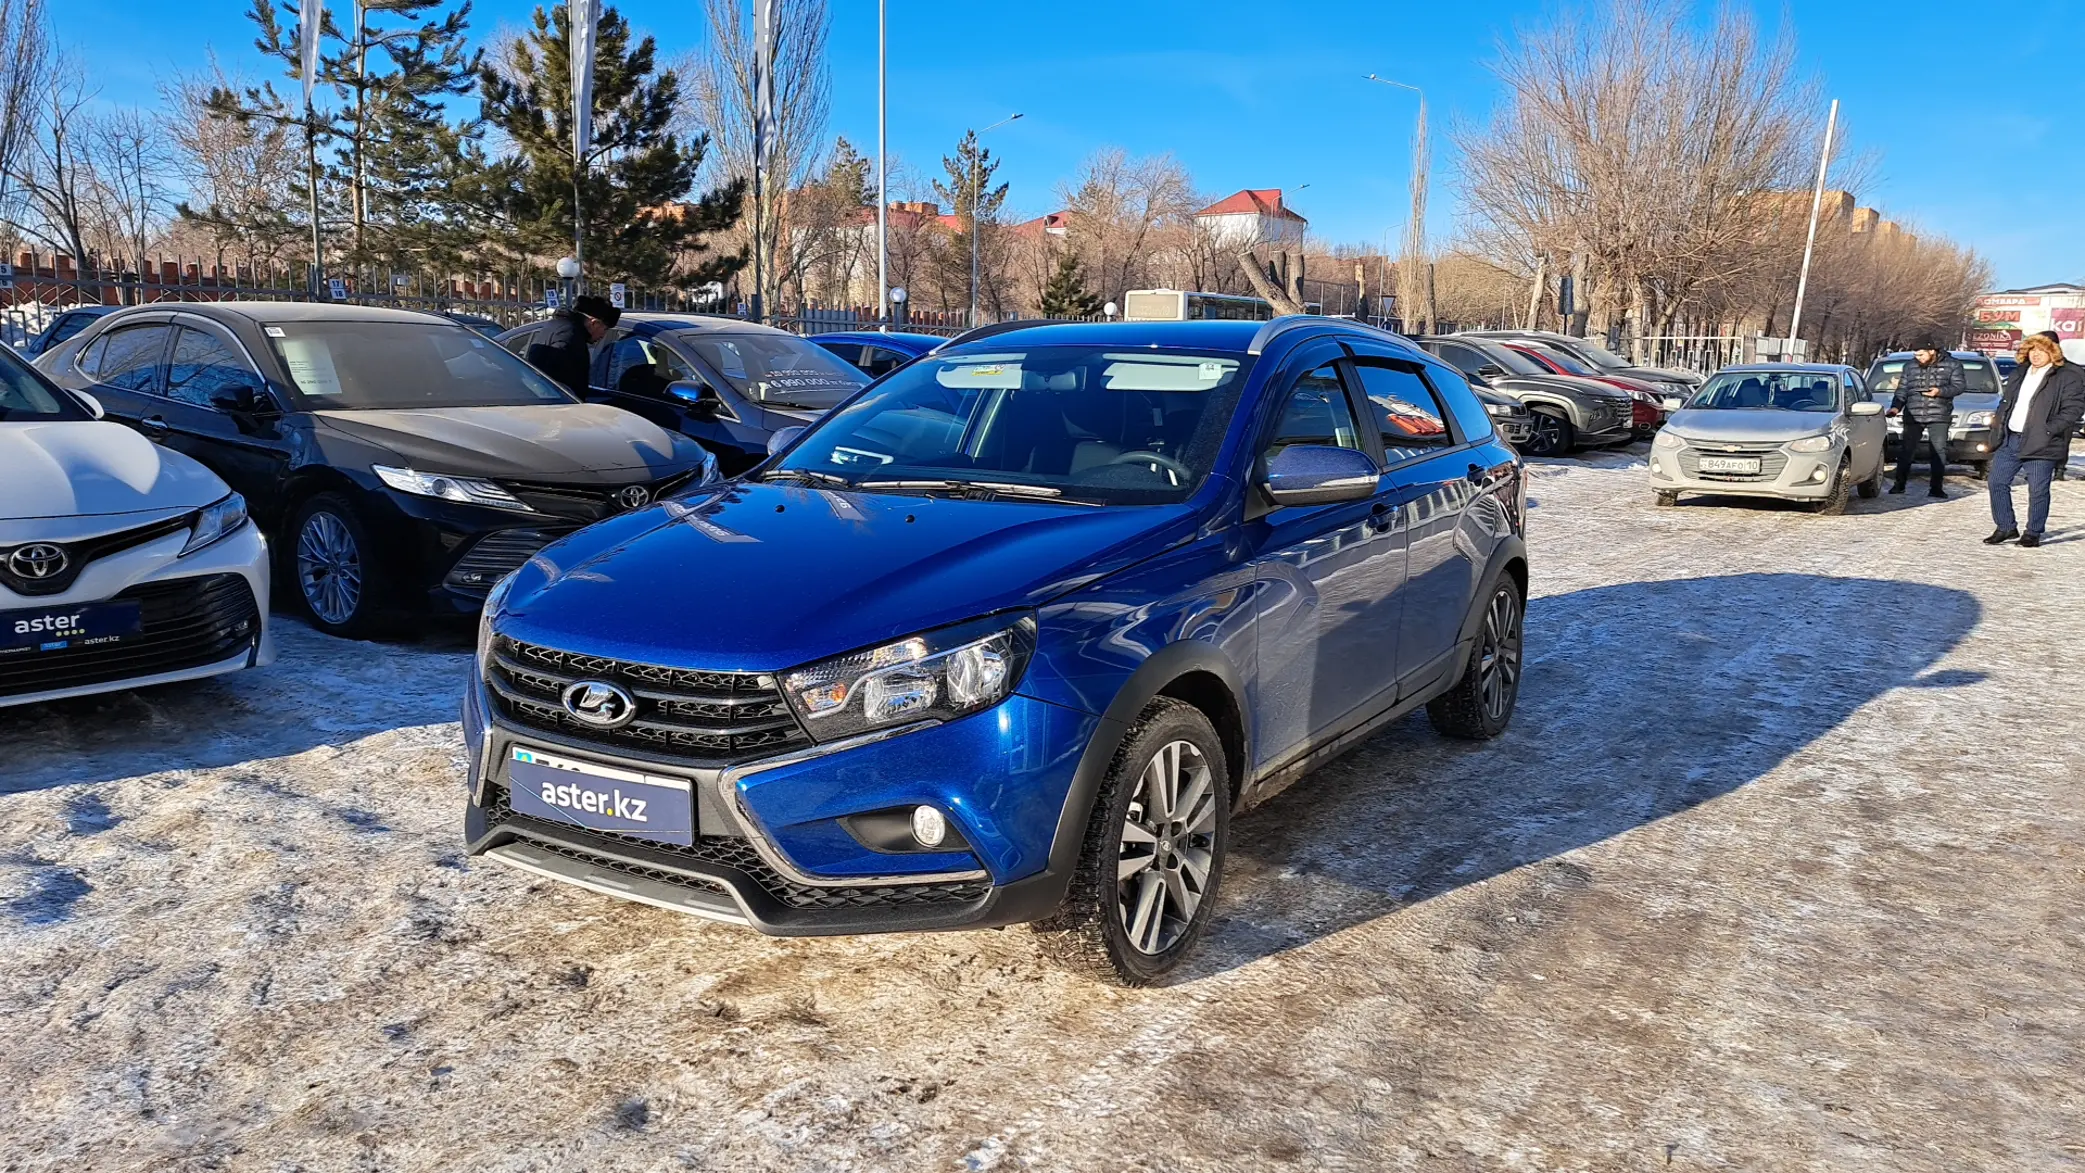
{"type": "Point", "coordinates": [1270, 94]}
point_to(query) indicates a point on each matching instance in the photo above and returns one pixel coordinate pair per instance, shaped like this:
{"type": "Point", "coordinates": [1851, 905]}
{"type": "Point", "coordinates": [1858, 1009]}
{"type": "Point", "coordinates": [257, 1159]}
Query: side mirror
{"type": "Point", "coordinates": [1865, 407]}
{"type": "Point", "coordinates": [1673, 403]}
{"type": "Point", "coordinates": [1492, 370]}
{"type": "Point", "coordinates": [782, 439]}
{"type": "Point", "coordinates": [1319, 474]}
{"type": "Point", "coordinates": [699, 396]}
{"type": "Point", "coordinates": [240, 401]}
{"type": "Point", "coordinates": [92, 405]}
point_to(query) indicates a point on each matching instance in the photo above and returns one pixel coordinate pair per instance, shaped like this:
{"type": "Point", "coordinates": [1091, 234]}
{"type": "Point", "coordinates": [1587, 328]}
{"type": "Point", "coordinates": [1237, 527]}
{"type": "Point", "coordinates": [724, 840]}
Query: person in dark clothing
{"type": "Point", "coordinates": [2044, 401]}
{"type": "Point", "coordinates": [1926, 399]}
{"type": "Point", "coordinates": [2062, 473]}
{"type": "Point", "coordinates": [562, 349]}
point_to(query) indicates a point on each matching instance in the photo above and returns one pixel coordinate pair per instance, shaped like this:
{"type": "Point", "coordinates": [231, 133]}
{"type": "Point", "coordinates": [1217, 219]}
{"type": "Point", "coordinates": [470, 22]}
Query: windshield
{"type": "Point", "coordinates": [779, 369]}
{"type": "Point", "coordinates": [1979, 376]}
{"type": "Point", "coordinates": [25, 396]}
{"type": "Point", "coordinates": [1756, 390]}
{"type": "Point", "coordinates": [1071, 422]}
{"type": "Point", "coordinates": [1594, 354]}
{"type": "Point", "coordinates": [1570, 365]}
{"type": "Point", "coordinates": [350, 365]}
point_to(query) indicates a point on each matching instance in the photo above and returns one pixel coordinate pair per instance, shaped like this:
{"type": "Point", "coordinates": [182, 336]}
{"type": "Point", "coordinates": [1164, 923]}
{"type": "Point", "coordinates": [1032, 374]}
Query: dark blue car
{"type": "Point", "coordinates": [877, 352]}
{"type": "Point", "coordinates": [1009, 637]}
{"type": "Point", "coordinates": [727, 383]}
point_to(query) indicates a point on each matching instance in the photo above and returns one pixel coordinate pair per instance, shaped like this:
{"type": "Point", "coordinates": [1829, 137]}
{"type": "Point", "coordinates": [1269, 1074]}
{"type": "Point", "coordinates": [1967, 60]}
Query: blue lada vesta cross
{"type": "Point", "coordinates": [1010, 636]}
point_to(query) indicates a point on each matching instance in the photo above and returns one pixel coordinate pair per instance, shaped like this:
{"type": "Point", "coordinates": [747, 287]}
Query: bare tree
{"type": "Point", "coordinates": [54, 170]}
{"type": "Point", "coordinates": [722, 102]}
{"type": "Point", "coordinates": [26, 65]}
{"type": "Point", "coordinates": [243, 180]}
{"type": "Point", "coordinates": [1118, 208]}
{"type": "Point", "coordinates": [130, 173]}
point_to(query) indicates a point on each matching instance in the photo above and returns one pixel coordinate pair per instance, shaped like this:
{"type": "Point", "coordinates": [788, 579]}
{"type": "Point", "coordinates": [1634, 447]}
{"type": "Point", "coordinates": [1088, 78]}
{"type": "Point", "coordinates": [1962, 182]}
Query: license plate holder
{"type": "Point", "coordinates": [1731, 465]}
{"type": "Point", "coordinates": [37, 630]}
{"type": "Point", "coordinates": [561, 789]}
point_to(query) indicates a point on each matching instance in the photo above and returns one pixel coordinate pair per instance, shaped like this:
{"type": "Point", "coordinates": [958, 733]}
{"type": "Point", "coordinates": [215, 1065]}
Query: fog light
{"type": "Point", "coordinates": [928, 826]}
{"type": "Point", "coordinates": [1983, 448]}
{"type": "Point", "coordinates": [1655, 466]}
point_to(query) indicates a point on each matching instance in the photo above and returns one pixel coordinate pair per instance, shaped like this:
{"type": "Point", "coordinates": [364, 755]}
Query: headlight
{"type": "Point", "coordinates": [1666, 438]}
{"type": "Point", "coordinates": [1977, 419]}
{"type": "Point", "coordinates": [1501, 410]}
{"type": "Point", "coordinates": [462, 490]}
{"type": "Point", "coordinates": [939, 675]}
{"type": "Point", "coordinates": [493, 599]}
{"type": "Point", "coordinates": [215, 522]}
{"type": "Point", "coordinates": [1818, 443]}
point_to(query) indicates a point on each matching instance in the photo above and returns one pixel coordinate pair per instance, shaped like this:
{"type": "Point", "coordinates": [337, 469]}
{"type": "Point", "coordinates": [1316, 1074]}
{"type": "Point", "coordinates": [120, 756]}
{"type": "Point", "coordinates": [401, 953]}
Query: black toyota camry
{"type": "Point", "coordinates": [401, 462]}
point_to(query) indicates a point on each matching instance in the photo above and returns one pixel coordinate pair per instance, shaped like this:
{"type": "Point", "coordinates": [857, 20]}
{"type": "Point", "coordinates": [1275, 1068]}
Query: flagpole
{"type": "Point", "coordinates": [311, 19]}
{"type": "Point", "coordinates": [763, 117]}
{"type": "Point", "coordinates": [1802, 283]}
{"type": "Point", "coordinates": [579, 39]}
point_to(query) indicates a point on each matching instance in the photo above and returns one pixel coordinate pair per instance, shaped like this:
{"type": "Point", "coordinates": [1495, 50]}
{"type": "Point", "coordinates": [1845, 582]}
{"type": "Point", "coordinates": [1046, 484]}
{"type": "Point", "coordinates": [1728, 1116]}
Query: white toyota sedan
{"type": "Point", "coordinates": [122, 563]}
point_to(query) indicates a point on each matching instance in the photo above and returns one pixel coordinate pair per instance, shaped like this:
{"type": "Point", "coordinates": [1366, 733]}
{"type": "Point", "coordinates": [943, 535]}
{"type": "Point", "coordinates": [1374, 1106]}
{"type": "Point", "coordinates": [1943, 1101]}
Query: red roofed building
{"type": "Point", "coordinates": [1254, 215]}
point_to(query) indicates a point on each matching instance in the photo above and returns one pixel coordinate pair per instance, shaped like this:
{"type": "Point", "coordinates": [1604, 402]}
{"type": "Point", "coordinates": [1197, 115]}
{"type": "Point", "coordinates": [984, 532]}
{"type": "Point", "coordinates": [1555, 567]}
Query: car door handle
{"type": "Point", "coordinates": [1383, 517]}
{"type": "Point", "coordinates": [154, 426]}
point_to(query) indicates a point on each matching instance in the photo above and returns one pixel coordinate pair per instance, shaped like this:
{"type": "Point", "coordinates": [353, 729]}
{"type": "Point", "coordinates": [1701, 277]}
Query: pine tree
{"type": "Point", "coordinates": [1066, 296]}
{"type": "Point", "coordinates": [633, 193]}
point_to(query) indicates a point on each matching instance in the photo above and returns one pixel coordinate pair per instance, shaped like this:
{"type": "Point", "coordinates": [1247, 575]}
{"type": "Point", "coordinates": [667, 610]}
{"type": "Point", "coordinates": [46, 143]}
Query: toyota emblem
{"type": "Point", "coordinates": [604, 706]}
{"type": "Point", "coordinates": [634, 497]}
{"type": "Point", "coordinates": [39, 561]}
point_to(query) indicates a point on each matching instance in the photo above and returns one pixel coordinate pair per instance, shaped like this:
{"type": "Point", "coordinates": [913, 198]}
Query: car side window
{"type": "Point", "coordinates": [128, 358]}
{"type": "Point", "coordinates": [68, 326]}
{"type": "Point", "coordinates": [878, 362]}
{"type": "Point", "coordinates": [203, 367]}
{"type": "Point", "coordinates": [1465, 410]}
{"type": "Point", "coordinates": [1316, 411]}
{"type": "Point", "coordinates": [1409, 415]}
{"type": "Point", "coordinates": [643, 366]}
{"type": "Point", "coordinates": [518, 343]}
{"type": "Point", "coordinates": [847, 352]}
{"type": "Point", "coordinates": [1462, 358]}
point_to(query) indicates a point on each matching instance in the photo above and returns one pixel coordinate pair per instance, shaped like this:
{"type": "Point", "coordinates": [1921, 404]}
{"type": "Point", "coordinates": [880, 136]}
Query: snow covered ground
{"type": "Point", "coordinates": [1779, 868]}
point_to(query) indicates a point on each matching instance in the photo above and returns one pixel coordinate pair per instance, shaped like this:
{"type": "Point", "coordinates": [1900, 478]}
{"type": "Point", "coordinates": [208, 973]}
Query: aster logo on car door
{"type": "Point", "coordinates": [564, 790]}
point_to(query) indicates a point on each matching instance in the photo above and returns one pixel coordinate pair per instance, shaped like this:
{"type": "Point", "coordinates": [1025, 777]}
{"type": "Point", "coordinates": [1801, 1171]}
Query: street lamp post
{"type": "Point", "coordinates": [1415, 232]}
{"type": "Point", "coordinates": [882, 172]}
{"type": "Point", "coordinates": [976, 195]}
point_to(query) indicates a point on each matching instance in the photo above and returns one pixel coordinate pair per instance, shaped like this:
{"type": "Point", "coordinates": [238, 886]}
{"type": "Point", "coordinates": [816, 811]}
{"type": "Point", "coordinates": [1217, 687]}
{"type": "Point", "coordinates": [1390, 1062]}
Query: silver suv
{"type": "Point", "coordinates": [1799, 432]}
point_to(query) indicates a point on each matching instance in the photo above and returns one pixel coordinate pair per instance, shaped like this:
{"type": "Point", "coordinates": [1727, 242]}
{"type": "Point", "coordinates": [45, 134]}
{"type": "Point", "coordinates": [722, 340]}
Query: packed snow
{"type": "Point", "coordinates": [1778, 868]}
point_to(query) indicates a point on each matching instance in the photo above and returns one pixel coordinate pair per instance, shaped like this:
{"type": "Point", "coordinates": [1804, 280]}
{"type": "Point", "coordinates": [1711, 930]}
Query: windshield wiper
{"type": "Point", "coordinates": [986, 488]}
{"type": "Point", "coordinates": [806, 476]}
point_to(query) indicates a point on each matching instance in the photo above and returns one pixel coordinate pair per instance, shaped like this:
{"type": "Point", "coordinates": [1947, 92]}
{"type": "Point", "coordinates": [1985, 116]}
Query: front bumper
{"type": "Point", "coordinates": [771, 850]}
{"type": "Point", "coordinates": [1964, 445]}
{"type": "Point", "coordinates": [206, 615]}
{"type": "Point", "coordinates": [1789, 476]}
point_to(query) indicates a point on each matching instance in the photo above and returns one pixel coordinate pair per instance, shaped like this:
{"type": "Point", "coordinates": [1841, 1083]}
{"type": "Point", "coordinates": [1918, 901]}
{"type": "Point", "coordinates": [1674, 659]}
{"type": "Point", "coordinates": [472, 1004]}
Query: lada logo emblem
{"type": "Point", "coordinates": [604, 706]}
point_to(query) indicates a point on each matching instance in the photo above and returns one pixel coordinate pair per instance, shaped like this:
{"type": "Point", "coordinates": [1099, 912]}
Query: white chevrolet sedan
{"type": "Point", "coordinates": [122, 563]}
{"type": "Point", "coordinates": [1800, 432]}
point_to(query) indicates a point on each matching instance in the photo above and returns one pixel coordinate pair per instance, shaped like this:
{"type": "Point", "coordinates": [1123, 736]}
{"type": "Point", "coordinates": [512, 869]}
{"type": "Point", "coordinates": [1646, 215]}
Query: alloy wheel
{"type": "Point", "coordinates": [329, 568]}
{"type": "Point", "coordinates": [1168, 847]}
{"type": "Point", "coordinates": [1548, 439]}
{"type": "Point", "coordinates": [1498, 663]}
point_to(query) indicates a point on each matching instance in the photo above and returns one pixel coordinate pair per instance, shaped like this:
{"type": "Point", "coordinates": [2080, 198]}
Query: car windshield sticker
{"type": "Point", "coordinates": [1146, 372]}
{"type": "Point", "coordinates": [988, 374]}
{"type": "Point", "coordinates": [311, 366]}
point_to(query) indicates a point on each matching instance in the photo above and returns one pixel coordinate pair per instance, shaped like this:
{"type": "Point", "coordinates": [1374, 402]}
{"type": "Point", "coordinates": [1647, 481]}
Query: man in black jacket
{"type": "Point", "coordinates": [562, 349]}
{"type": "Point", "coordinates": [1926, 399]}
{"type": "Point", "coordinates": [2044, 401]}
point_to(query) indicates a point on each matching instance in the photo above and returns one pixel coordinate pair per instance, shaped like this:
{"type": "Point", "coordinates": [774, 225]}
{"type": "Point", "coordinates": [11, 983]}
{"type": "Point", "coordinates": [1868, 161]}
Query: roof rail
{"type": "Point", "coordinates": [990, 328]}
{"type": "Point", "coordinates": [1282, 325]}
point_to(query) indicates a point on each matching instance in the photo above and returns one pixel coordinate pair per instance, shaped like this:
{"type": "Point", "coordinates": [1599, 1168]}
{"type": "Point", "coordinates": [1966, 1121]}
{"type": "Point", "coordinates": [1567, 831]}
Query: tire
{"type": "Point", "coordinates": [1872, 487]}
{"type": "Point", "coordinates": [1835, 502]}
{"type": "Point", "coordinates": [1667, 500]}
{"type": "Point", "coordinates": [1480, 706]}
{"type": "Point", "coordinates": [332, 566]}
{"type": "Point", "coordinates": [1553, 436]}
{"type": "Point", "coordinates": [1114, 924]}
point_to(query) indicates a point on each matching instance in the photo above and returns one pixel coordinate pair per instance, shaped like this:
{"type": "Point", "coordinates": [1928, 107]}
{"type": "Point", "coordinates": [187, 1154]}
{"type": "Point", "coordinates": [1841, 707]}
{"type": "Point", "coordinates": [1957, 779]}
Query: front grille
{"type": "Point", "coordinates": [711, 718]}
{"type": "Point", "coordinates": [1772, 460]}
{"type": "Point", "coordinates": [496, 555]}
{"type": "Point", "coordinates": [84, 551]}
{"type": "Point", "coordinates": [591, 502]}
{"type": "Point", "coordinates": [727, 851]}
{"type": "Point", "coordinates": [188, 623]}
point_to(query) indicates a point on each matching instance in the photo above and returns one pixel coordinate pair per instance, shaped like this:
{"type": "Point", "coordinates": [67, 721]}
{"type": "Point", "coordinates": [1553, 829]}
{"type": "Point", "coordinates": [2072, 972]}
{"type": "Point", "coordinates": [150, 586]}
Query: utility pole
{"type": "Point", "coordinates": [763, 128]}
{"type": "Point", "coordinates": [976, 196]}
{"type": "Point", "coordinates": [1408, 288]}
{"type": "Point", "coordinates": [581, 41]}
{"type": "Point", "coordinates": [882, 171]}
{"type": "Point", "coordinates": [1802, 283]}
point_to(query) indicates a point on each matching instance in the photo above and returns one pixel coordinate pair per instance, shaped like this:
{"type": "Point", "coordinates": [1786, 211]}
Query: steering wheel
{"type": "Point", "coordinates": [1154, 460]}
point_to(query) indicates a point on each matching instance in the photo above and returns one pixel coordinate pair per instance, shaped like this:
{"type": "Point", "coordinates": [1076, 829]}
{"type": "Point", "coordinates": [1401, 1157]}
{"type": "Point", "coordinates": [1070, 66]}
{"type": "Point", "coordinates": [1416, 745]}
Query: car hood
{"type": "Point", "coordinates": [758, 578]}
{"type": "Point", "coordinates": [75, 468]}
{"type": "Point", "coordinates": [1764, 425]}
{"type": "Point", "coordinates": [1659, 375]}
{"type": "Point", "coordinates": [574, 441]}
